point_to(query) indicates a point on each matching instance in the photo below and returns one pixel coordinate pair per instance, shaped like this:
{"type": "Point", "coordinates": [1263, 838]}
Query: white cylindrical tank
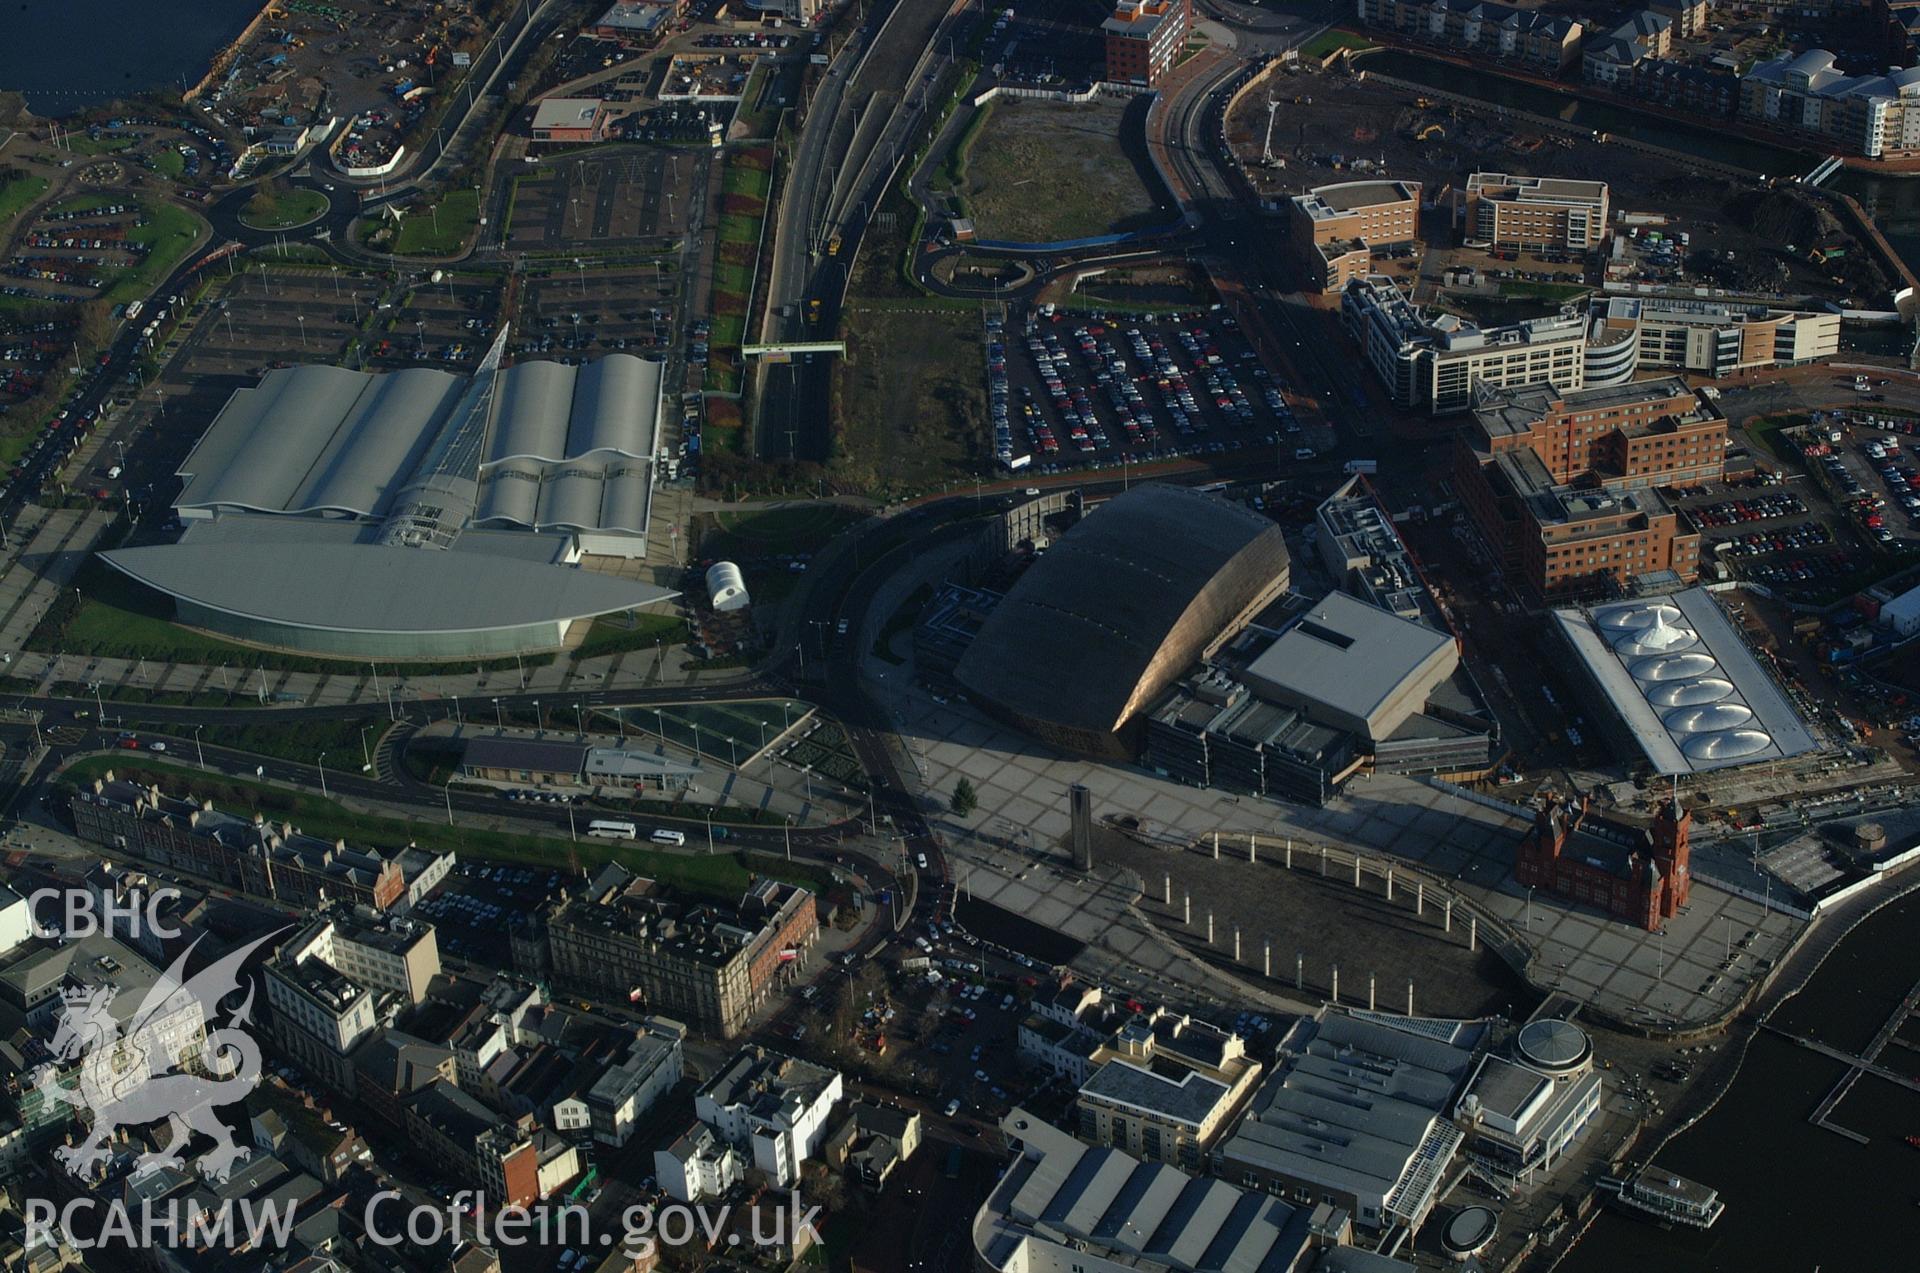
{"type": "Point", "coordinates": [726, 587]}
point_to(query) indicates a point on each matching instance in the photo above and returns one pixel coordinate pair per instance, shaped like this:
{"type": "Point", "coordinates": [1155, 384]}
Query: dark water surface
{"type": "Point", "coordinates": [65, 55]}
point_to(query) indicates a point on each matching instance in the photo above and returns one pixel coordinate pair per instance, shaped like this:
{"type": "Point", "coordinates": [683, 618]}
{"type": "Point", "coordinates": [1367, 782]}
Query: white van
{"type": "Point", "coordinates": [663, 836]}
{"type": "Point", "coordinates": [921, 858]}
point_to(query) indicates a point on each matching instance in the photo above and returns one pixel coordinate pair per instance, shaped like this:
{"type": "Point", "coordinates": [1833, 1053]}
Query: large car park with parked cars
{"type": "Point", "coordinates": [1093, 388]}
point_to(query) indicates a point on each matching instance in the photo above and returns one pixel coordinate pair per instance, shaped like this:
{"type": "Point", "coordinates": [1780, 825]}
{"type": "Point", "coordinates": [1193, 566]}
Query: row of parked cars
{"type": "Point", "coordinates": [1760, 543]}
{"type": "Point", "coordinates": [1759, 508]}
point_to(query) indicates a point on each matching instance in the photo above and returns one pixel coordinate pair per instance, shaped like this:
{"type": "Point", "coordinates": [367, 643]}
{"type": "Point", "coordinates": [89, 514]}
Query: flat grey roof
{"type": "Point", "coordinates": [1345, 196]}
{"type": "Point", "coordinates": [495, 751]}
{"type": "Point", "coordinates": [1188, 1100]}
{"type": "Point", "coordinates": [566, 112]}
{"type": "Point", "coordinates": [1507, 1088]}
{"type": "Point", "coordinates": [1509, 412]}
{"type": "Point", "coordinates": [322, 575]}
{"type": "Point", "coordinates": [1354, 1105]}
{"type": "Point", "coordinates": [1347, 654]}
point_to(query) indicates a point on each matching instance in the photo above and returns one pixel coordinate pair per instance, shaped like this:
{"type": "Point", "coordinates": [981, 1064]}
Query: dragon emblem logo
{"type": "Point", "coordinates": [161, 1062]}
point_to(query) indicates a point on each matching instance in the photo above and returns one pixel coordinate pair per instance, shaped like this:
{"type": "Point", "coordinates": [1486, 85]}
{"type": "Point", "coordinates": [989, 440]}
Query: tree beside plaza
{"type": "Point", "coordinates": [965, 799]}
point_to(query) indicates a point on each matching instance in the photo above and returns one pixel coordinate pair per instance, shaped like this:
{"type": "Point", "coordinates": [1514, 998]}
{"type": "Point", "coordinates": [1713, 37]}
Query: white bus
{"type": "Point", "coordinates": [663, 836]}
{"type": "Point", "coordinates": [613, 830]}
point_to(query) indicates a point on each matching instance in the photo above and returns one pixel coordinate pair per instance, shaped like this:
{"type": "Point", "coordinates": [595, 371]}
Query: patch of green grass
{"type": "Point", "coordinates": [745, 185]}
{"type": "Point", "coordinates": [909, 400]}
{"type": "Point", "coordinates": [614, 636]}
{"type": "Point", "coordinates": [169, 234]}
{"type": "Point", "coordinates": [953, 168]}
{"type": "Point", "coordinates": [302, 743]}
{"type": "Point", "coordinates": [775, 532]}
{"type": "Point", "coordinates": [1043, 172]}
{"type": "Point", "coordinates": [1328, 41]}
{"type": "Point", "coordinates": [297, 207]}
{"type": "Point", "coordinates": [747, 178]}
{"type": "Point", "coordinates": [441, 230]}
{"type": "Point", "coordinates": [18, 194]}
{"type": "Point", "coordinates": [118, 618]}
{"type": "Point", "coordinates": [106, 144]}
{"type": "Point", "coordinates": [1545, 291]}
{"type": "Point", "coordinates": [719, 875]}
{"type": "Point", "coordinates": [169, 163]}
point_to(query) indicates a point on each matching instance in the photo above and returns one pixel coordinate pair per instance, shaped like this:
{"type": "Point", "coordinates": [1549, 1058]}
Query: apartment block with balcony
{"type": "Point", "coordinates": [1506, 211]}
{"type": "Point", "coordinates": [1336, 228]}
{"type": "Point", "coordinates": [1610, 60]}
{"type": "Point", "coordinates": [1543, 42]}
{"type": "Point", "coordinates": [1688, 17]}
{"type": "Point", "coordinates": [1877, 116]}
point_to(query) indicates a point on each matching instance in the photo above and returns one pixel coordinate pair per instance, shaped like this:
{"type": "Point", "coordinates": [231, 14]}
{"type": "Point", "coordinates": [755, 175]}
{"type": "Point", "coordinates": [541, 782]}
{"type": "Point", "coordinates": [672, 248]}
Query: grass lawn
{"type": "Point", "coordinates": [17, 194]}
{"type": "Point", "coordinates": [169, 163]}
{"type": "Point", "coordinates": [441, 230]}
{"type": "Point", "coordinates": [170, 232]}
{"type": "Point", "coordinates": [775, 532]}
{"type": "Point", "coordinates": [612, 636]}
{"type": "Point", "coordinates": [1041, 172]}
{"type": "Point", "coordinates": [119, 618]}
{"type": "Point", "coordinates": [720, 875]}
{"type": "Point", "coordinates": [909, 400]}
{"type": "Point", "coordinates": [264, 212]}
{"type": "Point", "coordinates": [1545, 291]}
{"type": "Point", "coordinates": [1328, 41]}
{"type": "Point", "coordinates": [302, 743]}
{"type": "Point", "coordinates": [743, 207]}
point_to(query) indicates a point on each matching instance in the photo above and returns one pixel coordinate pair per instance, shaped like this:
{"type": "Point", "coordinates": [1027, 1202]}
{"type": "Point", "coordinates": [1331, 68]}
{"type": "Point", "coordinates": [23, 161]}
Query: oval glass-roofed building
{"type": "Point", "coordinates": [1124, 603]}
{"type": "Point", "coordinates": [417, 513]}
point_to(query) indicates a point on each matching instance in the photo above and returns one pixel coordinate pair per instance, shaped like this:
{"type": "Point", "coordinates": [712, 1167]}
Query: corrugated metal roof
{"type": "Point", "coordinates": [1080, 639]}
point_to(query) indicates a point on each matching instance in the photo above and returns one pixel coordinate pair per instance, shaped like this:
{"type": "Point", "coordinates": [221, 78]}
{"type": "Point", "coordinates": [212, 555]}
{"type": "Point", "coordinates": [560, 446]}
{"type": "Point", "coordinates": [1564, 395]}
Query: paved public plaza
{"type": "Point", "coordinates": [1691, 973]}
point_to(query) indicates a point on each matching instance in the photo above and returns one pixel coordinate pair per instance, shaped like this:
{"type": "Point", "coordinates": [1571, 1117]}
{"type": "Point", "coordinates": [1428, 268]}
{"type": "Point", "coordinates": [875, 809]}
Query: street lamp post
{"type": "Point", "coordinates": [323, 775]}
{"type": "Point", "coordinates": [499, 717]}
{"type": "Point", "coordinates": [197, 748]}
{"type": "Point", "coordinates": [366, 757]}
